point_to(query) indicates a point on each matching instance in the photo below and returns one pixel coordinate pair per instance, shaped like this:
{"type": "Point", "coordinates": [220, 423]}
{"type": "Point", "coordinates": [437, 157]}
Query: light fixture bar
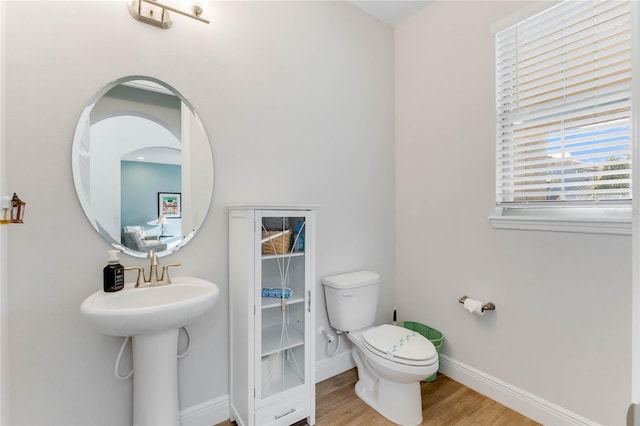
{"type": "Point", "coordinates": [173, 9]}
{"type": "Point", "coordinates": [157, 14]}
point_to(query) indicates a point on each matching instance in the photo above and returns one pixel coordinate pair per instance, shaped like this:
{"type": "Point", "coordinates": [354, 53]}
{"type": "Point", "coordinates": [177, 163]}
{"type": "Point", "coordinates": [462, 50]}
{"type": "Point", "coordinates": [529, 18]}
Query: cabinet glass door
{"type": "Point", "coordinates": [281, 313]}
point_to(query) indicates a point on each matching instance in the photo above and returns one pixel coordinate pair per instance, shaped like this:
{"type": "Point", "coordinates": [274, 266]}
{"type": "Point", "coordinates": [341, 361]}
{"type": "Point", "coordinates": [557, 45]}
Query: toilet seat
{"type": "Point", "coordinates": [400, 345]}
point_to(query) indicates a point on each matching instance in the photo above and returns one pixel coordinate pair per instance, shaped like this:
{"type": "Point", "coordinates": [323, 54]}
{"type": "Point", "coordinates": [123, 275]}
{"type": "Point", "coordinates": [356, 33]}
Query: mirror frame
{"type": "Point", "coordinates": [81, 151]}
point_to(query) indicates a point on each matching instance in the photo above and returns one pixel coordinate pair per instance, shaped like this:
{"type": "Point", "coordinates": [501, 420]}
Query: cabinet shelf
{"type": "Point", "coordinates": [274, 302]}
{"type": "Point", "coordinates": [272, 337]}
{"type": "Point", "coordinates": [284, 255]}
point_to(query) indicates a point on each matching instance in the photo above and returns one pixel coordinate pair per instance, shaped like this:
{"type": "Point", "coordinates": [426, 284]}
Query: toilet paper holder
{"type": "Point", "coordinates": [489, 306]}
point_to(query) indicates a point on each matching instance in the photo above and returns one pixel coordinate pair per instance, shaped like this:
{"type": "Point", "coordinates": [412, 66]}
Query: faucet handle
{"type": "Point", "coordinates": [165, 270]}
{"type": "Point", "coordinates": [140, 272]}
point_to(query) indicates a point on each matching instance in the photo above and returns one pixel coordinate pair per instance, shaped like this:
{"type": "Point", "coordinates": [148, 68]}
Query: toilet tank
{"type": "Point", "coordinates": [352, 299]}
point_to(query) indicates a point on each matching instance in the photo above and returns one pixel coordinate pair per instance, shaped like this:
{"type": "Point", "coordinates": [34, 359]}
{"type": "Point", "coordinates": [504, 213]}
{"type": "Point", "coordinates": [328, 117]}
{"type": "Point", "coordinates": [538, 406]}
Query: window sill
{"type": "Point", "coordinates": [585, 225]}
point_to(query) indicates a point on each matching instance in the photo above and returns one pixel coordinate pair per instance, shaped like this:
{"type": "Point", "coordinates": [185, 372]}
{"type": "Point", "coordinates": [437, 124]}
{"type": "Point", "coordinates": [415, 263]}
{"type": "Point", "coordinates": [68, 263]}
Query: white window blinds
{"type": "Point", "coordinates": [564, 106]}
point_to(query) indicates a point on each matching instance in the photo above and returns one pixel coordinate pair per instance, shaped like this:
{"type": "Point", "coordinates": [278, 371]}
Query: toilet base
{"type": "Point", "coordinates": [399, 402]}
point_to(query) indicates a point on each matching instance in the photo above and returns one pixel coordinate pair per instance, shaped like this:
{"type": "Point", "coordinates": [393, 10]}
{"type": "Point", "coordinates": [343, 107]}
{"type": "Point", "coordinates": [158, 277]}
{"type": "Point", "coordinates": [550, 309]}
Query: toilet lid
{"type": "Point", "coordinates": [400, 344]}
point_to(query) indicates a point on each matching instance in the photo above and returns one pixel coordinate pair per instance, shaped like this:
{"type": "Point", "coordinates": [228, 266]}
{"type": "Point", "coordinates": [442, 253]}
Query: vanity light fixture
{"type": "Point", "coordinates": [12, 209]}
{"type": "Point", "coordinates": [157, 14]}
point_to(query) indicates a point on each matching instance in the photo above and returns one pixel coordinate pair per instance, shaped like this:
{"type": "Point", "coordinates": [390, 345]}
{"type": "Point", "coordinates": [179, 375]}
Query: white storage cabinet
{"type": "Point", "coordinates": [272, 380]}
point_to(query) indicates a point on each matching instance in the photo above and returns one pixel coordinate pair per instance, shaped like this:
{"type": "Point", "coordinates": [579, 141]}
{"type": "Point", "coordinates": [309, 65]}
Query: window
{"type": "Point", "coordinates": [563, 92]}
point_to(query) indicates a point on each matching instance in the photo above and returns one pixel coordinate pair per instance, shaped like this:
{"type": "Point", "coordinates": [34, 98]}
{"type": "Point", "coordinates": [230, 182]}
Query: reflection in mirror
{"type": "Point", "coordinates": [142, 166]}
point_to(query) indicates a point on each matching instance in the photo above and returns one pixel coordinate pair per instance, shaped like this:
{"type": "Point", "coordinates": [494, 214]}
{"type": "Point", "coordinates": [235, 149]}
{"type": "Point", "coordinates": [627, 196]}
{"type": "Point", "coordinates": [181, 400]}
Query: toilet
{"type": "Point", "coordinates": [391, 360]}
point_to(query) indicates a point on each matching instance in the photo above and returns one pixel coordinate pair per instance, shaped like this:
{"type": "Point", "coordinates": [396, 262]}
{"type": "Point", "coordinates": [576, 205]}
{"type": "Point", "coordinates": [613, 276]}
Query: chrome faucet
{"type": "Point", "coordinates": [153, 279]}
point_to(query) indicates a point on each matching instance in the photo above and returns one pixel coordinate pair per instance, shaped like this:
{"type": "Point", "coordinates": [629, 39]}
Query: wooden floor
{"type": "Point", "coordinates": [444, 403]}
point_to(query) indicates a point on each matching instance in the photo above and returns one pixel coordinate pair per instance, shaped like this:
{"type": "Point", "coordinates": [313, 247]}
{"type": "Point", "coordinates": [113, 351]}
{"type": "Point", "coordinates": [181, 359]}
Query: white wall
{"type": "Point", "coordinates": [297, 99]}
{"type": "Point", "coordinates": [4, 323]}
{"type": "Point", "coordinates": [561, 330]}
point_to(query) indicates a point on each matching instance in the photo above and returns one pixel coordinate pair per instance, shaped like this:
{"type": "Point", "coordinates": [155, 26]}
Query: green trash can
{"type": "Point", "coordinates": [432, 334]}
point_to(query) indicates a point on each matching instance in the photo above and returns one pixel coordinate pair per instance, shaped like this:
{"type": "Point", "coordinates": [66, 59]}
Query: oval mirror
{"type": "Point", "coordinates": [142, 166]}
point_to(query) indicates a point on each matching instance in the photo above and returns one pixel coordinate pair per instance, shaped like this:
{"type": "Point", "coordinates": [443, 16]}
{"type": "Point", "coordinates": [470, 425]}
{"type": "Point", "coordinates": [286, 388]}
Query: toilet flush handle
{"type": "Point", "coordinates": [346, 294]}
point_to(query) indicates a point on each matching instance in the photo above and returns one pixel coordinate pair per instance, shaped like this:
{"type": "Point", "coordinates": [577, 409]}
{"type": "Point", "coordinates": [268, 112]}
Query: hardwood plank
{"type": "Point", "coordinates": [445, 402]}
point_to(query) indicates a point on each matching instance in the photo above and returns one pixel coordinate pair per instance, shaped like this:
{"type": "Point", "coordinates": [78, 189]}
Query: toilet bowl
{"type": "Point", "coordinates": [391, 360]}
{"type": "Point", "coordinates": [390, 384]}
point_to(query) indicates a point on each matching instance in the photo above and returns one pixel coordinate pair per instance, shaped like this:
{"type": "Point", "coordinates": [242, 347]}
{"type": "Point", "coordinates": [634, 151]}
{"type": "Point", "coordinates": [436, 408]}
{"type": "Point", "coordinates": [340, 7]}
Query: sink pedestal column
{"type": "Point", "coordinates": [155, 378]}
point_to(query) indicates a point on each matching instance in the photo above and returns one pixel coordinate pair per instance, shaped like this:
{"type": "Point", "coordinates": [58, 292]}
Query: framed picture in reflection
{"type": "Point", "coordinates": [169, 204]}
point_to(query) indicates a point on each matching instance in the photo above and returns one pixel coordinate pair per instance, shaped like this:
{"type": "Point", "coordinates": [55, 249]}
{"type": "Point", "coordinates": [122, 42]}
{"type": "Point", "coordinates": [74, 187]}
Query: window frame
{"type": "Point", "coordinates": [594, 218]}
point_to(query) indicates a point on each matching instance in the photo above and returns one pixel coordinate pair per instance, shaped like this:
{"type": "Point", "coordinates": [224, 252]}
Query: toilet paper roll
{"type": "Point", "coordinates": [473, 306]}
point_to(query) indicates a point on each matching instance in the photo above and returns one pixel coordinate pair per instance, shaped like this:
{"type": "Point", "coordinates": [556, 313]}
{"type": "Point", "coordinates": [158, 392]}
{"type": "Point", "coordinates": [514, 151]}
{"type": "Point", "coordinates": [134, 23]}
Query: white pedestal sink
{"type": "Point", "coordinates": [152, 316]}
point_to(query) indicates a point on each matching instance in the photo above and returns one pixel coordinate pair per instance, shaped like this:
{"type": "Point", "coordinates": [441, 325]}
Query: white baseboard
{"type": "Point", "coordinates": [333, 366]}
{"type": "Point", "coordinates": [510, 396]}
{"type": "Point", "coordinates": [206, 414]}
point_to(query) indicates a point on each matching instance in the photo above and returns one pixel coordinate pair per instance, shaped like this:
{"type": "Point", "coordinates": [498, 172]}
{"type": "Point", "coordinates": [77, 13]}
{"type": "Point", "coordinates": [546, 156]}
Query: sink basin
{"type": "Point", "coordinates": [133, 311]}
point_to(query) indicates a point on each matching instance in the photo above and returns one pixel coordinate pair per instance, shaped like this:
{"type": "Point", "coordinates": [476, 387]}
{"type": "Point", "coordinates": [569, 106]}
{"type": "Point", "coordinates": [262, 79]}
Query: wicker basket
{"type": "Point", "coordinates": [279, 242]}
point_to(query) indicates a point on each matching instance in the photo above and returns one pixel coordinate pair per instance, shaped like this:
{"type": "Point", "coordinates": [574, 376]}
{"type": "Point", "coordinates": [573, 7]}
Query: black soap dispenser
{"type": "Point", "coordinates": [113, 273]}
